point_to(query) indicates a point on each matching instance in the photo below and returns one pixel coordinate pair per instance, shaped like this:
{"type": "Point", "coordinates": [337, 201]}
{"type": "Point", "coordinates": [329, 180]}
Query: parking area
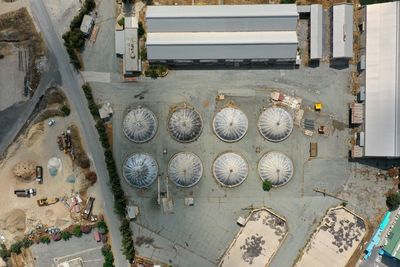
{"type": "Point", "coordinates": [55, 253]}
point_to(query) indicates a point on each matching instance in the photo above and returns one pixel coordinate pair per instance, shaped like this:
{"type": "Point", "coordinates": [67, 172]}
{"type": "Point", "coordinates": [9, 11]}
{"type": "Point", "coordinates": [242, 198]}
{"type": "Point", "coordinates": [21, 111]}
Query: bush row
{"type": "Point", "coordinates": [120, 201]}
{"type": "Point", "coordinates": [74, 39]}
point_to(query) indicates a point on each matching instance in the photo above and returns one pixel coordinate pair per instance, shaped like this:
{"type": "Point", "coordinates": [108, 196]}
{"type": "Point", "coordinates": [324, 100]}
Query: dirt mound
{"type": "Point", "coordinates": [34, 133]}
{"type": "Point", "coordinates": [14, 221]}
{"type": "Point", "coordinates": [25, 170]}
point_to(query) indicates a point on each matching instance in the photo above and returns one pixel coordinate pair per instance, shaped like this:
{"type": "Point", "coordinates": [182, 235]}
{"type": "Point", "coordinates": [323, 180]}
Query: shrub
{"type": "Point", "coordinates": [288, 1]}
{"type": "Point", "coordinates": [121, 22]}
{"type": "Point", "coordinates": [16, 247]}
{"type": "Point", "coordinates": [77, 231]}
{"type": "Point", "coordinates": [108, 259]}
{"type": "Point", "coordinates": [65, 235]}
{"type": "Point", "coordinates": [143, 53]}
{"type": "Point", "coordinates": [45, 240]}
{"type": "Point", "coordinates": [91, 177]}
{"type": "Point", "coordinates": [141, 30]}
{"type": "Point", "coordinates": [393, 201]}
{"type": "Point", "coordinates": [102, 226]}
{"type": "Point", "coordinates": [66, 110]}
{"type": "Point", "coordinates": [4, 252]}
{"type": "Point", "coordinates": [26, 243]}
{"type": "Point", "coordinates": [267, 185]}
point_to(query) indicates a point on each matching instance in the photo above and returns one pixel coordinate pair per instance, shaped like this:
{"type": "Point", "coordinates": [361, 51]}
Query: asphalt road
{"type": "Point", "coordinates": [15, 123]}
{"type": "Point", "coordinates": [71, 83]}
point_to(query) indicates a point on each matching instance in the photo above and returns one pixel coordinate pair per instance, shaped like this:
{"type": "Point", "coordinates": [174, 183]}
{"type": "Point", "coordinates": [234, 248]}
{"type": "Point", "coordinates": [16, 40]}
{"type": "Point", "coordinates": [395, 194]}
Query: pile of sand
{"type": "Point", "coordinates": [25, 170]}
{"type": "Point", "coordinates": [34, 133]}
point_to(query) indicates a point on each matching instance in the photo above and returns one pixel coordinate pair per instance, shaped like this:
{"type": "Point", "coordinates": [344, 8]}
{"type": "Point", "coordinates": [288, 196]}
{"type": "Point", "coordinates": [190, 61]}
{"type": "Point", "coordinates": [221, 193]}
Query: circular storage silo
{"type": "Point", "coordinates": [140, 125]}
{"type": "Point", "coordinates": [275, 167]}
{"type": "Point", "coordinates": [230, 169]}
{"type": "Point", "coordinates": [140, 170]}
{"type": "Point", "coordinates": [230, 124]}
{"type": "Point", "coordinates": [185, 169]}
{"type": "Point", "coordinates": [275, 124]}
{"type": "Point", "coordinates": [185, 125]}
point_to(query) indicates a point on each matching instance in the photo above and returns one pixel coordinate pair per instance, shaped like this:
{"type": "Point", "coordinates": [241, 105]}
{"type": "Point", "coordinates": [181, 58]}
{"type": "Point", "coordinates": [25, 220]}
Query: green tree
{"type": "Point", "coordinates": [16, 247]}
{"type": "Point", "coordinates": [66, 110]}
{"type": "Point", "coordinates": [102, 226]}
{"type": "Point", "coordinates": [77, 231]}
{"type": "Point", "coordinates": [65, 235]}
{"type": "Point", "coordinates": [267, 185]}
{"type": "Point", "coordinates": [45, 240]}
{"type": "Point", "coordinates": [393, 201]}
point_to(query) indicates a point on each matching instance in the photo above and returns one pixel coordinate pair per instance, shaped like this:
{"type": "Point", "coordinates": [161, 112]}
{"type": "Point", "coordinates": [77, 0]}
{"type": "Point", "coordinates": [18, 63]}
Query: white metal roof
{"type": "Point", "coordinates": [196, 38]}
{"type": "Point", "coordinates": [281, 10]}
{"type": "Point", "coordinates": [382, 108]}
{"type": "Point", "coordinates": [316, 32]}
{"type": "Point", "coordinates": [342, 31]}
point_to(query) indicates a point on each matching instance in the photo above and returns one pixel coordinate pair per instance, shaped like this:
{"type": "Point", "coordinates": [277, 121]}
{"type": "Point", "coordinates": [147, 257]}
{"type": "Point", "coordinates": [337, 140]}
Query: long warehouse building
{"type": "Point", "coordinates": [382, 81]}
{"type": "Point", "coordinates": [245, 32]}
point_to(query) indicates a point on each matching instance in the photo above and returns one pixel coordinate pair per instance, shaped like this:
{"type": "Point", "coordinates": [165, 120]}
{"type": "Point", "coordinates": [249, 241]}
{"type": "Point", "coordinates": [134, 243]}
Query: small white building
{"type": "Point", "coordinates": [342, 32]}
{"type": "Point", "coordinates": [87, 25]}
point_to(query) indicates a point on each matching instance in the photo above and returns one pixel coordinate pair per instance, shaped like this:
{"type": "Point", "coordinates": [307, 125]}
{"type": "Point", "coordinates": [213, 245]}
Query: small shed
{"type": "Point", "coordinates": [87, 25]}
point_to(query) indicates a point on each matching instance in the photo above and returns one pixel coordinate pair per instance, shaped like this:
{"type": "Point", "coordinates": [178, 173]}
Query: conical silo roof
{"type": "Point", "coordinates": [140, 170]}
{"type": "Point", "coordinates": [140, 125]}
{"type": "Point", "coordinates": [230, 169]}
{"type": "Point", "coordinates": [230, 124]}
{"type": "Point", "coordinates": [275, 124]}
{"type": "Point", "coordinates": [185, 125]}
{"type": "Point", "coordinates": [275, 167]}
{"type": "Point", "coordinates": [185, 169]}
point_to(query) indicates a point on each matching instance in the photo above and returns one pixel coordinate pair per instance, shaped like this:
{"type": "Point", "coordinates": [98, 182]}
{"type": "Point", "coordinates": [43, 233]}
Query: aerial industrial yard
{"type": "Point", "coordinates": [199, 133]}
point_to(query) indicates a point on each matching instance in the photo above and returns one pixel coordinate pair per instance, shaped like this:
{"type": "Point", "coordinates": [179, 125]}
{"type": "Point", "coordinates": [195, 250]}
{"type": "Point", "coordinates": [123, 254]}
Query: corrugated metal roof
{"type": "Point", "coordinates": [393, 245]}
{"type": "Point", "coordinates": [382, 126]}
{"type": "Point", "coordinates": [316, 32]}
{"type": "Point", "coordinates": [342, 31]}
{"type": "Point", "coordinates": [222, 11]}
{"type": "Point", "coordinates": [201, 38]}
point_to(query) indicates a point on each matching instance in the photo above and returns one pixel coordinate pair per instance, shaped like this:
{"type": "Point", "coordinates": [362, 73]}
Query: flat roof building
{"type": "Point", "coordinates": [342, 32]}
{"type": "Point", "coordinates": [131, 49]}
{"type": "Point", "coordinates": [316, 18]}
{"type": "Point", "coordinates": [382, 74]}
{"type": "Point", "coordinates": [210, 33]}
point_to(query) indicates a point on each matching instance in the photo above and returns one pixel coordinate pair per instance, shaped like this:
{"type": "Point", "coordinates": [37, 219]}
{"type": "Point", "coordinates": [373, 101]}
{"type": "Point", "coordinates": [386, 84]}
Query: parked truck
{"type": "Point", "coordinates": [25, 192]}
{"type": "Point", "coordinates": [88, 209]}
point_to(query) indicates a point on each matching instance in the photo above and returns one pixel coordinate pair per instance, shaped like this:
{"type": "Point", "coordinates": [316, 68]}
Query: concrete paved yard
{"type": "Point", "coordinates": [57, 252]}
{"type": "Point", "coordinates": [199, 235]}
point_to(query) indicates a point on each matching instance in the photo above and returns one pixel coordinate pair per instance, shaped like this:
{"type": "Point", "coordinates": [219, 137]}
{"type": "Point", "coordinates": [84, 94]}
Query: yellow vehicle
{"type": "Point", "coordinates": [47, 201]}
{"type": "Point", "coordinates": [318, 106]}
